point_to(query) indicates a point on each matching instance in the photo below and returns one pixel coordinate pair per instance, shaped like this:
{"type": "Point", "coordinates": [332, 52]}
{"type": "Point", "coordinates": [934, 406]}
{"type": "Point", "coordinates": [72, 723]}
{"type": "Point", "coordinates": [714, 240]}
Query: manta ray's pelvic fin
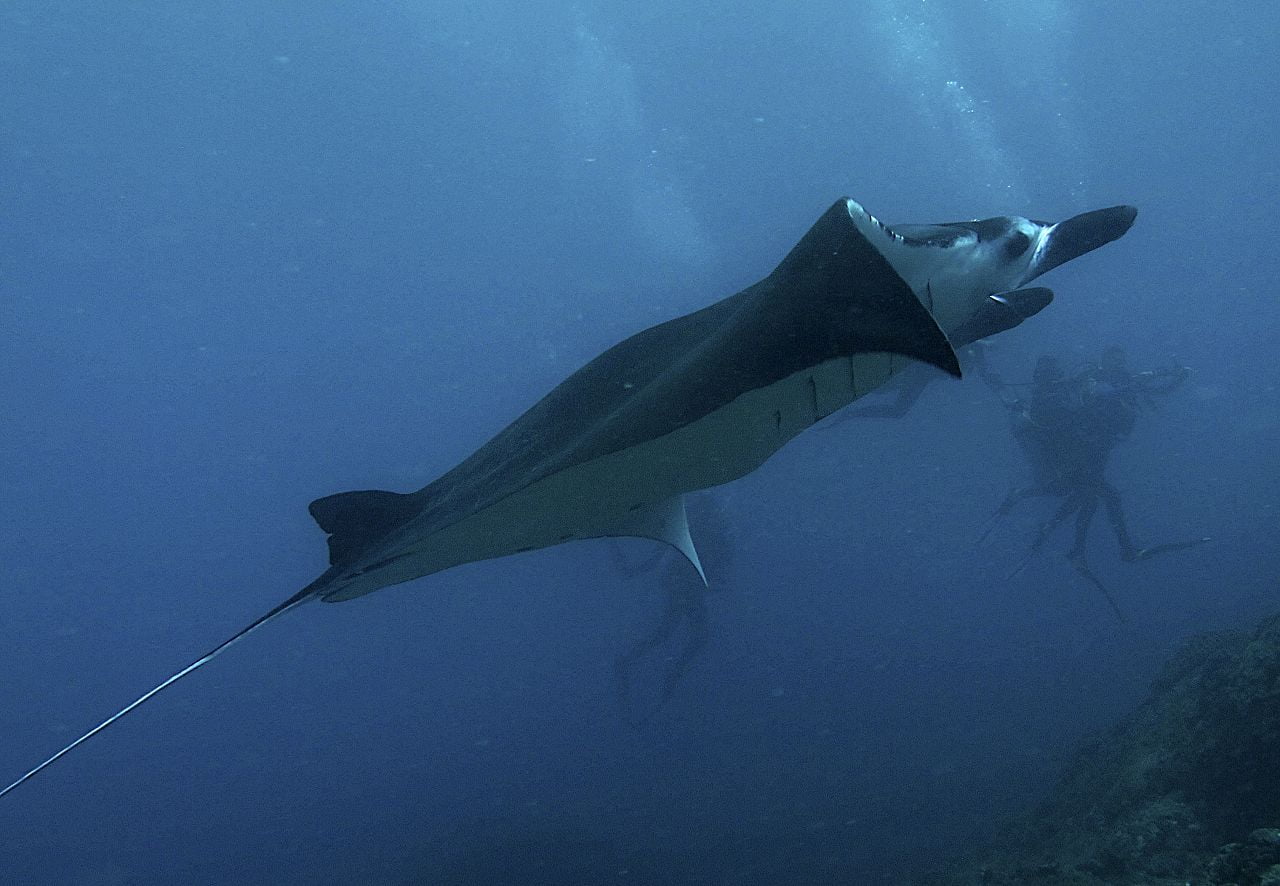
{"type": "Point", "coordinates": [663, 521]}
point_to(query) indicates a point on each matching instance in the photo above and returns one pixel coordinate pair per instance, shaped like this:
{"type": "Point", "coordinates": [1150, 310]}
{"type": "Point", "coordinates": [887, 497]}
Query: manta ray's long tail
{"type": "Point", "coordinates": [296, 600]}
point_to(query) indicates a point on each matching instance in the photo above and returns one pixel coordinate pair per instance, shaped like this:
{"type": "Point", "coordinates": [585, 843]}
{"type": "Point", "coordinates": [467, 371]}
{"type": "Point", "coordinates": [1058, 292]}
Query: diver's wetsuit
{"type": "Point", "coordinates": [1067, 430]}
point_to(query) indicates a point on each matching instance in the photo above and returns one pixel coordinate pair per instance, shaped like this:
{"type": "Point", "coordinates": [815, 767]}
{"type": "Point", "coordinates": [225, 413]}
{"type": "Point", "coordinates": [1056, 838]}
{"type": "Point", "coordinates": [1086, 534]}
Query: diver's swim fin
{"type": "Point", "coordinates": [1022, 564]}
{"type": "Point", "coordinates": [990, 527]}
{"type": "Point", "coordinates": [1148, 553]}
{"type": "Point", "coordinates": [1082, 566]}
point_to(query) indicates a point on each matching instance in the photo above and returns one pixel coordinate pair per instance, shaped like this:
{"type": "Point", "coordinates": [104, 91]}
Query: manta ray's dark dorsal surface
{"type": "Point", "coordinates": [697, 401]}
{"type": "Point", "coordinates": [834, 296]}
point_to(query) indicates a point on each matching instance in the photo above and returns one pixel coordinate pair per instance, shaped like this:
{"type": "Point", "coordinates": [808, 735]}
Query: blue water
{"type": "Point", "coordinates": [249, 257]}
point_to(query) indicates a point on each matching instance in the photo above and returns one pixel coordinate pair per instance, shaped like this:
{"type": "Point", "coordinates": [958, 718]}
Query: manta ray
{"type": "Point", "coordinates": [697, 401]}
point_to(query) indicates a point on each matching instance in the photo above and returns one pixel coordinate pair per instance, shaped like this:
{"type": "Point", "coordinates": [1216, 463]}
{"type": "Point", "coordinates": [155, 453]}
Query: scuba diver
{"type": "Point", "coordinates": [1043, 426]}
{"type": "Point", "coordinates": [683, 628]}
{"type": "Point", "coordinates": [1067, 429]}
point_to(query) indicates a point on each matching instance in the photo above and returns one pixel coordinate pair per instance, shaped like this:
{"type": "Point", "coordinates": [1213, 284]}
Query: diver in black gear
{"type": "Point", "coordinates": [1116, 394]}
{"type": "Point", "coordinates": [1068, 428]}
{"type": "Point", "coordinates": [683, 629]}
{"type": "Point", "coordinates": [1044, 426]}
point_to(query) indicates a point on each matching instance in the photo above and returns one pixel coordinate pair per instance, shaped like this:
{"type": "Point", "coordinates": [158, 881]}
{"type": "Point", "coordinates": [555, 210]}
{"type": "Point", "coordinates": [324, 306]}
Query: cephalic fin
{"type": "Point", "coordinates": [1073, 237]}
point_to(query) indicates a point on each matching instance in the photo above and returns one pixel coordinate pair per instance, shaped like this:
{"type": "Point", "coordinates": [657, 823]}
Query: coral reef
{"type": "Point", "coordinates": [1187, 791]}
